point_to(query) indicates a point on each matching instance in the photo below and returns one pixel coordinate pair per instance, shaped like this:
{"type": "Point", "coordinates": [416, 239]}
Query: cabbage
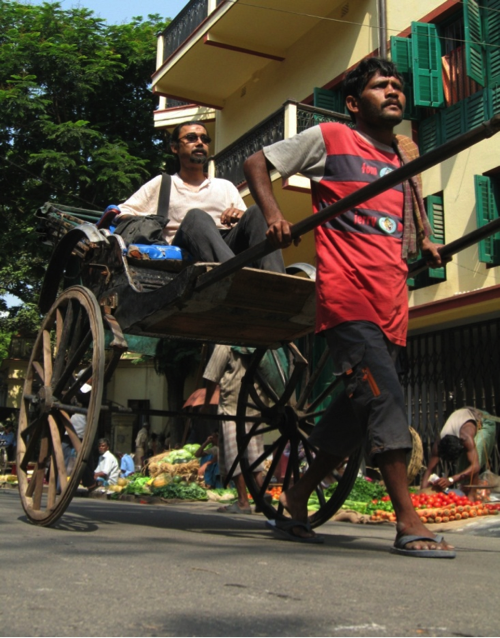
{"type": "Point", "coordinates": [192, 447]}
{"type": "Point", "coordinates": [179, 456]}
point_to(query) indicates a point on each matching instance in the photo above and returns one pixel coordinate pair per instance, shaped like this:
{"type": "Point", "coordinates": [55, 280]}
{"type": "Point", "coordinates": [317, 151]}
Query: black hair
{"type": "Point", "coordinates": [104, 441]}
{"type": "Point", "coordinates": [356, 80]}
{"type": "Point", "coordinates": [174, 136]}
{"type": "Point", "coordinates": [450, 448]}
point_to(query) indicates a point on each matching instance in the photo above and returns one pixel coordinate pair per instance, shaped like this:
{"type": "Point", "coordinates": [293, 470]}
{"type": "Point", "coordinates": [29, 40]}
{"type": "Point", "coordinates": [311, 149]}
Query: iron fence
{"type": "Point", "coordinates": [449, 369]}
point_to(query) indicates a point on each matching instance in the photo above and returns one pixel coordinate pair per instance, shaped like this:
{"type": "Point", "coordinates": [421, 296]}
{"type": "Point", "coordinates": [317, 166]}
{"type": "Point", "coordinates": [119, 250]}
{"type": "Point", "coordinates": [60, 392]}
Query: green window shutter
{"type": "Point", "coordinates": [402, 58]}
{"type": "Point", "coordinates": [476, 109]}
{"type": "Point", "coordinates": [491, 17]}
{"type": "Point", "coordinates": [429, 133]}
{"type": "Point", "coordinates": [435, 213]}
{"type": "Point", "coordinates": [486, 211]}
{"type": "Point", "coordinates": [474, 39]}
{"type": "Point", "coordinates": [453, 121]}
{"type": "Point", "coordinates": [426, 63]}
{"type": "Point", "coordinates": [493, 100]}
{"type": "Point", "coordinates": [330, 100]}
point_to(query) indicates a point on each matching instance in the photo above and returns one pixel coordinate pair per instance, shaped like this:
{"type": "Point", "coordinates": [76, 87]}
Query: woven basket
{"type": "Point", "coordinates": [416, 459]}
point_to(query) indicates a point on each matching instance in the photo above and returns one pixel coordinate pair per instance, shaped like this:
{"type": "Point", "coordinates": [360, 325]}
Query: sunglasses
{"type": "Point", "coordinates": [193, 137]}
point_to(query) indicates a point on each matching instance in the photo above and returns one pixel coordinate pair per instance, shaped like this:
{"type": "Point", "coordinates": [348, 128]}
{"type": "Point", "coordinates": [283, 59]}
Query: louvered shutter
{"type": "Point", "coordinates": [486, 211]}
{"type": "Point", "coordinates": [426, 65]}
{"type": "Point", "coordinates": [401, 56]}
{"type": "Point", "coordinates": [474, 49]}
{"type": "Point", "coordinates": [491, 21]}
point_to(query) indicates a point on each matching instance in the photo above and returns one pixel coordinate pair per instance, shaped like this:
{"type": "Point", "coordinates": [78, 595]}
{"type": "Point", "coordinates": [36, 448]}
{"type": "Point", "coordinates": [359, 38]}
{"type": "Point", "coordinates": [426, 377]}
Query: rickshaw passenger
{"type": "Point", "coordinates": [362, 305]}
{"type": "Point", "coordinates": [206, 216]}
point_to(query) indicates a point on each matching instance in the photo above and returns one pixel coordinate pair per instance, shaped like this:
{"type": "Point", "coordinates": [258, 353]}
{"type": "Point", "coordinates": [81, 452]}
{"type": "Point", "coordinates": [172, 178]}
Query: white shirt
{"type": "Point", "coordinates": [79, 422]}
{"type": "Point", "coordinates": [109, 465]}
{"type": "Point", "coordinates": [214, 196]}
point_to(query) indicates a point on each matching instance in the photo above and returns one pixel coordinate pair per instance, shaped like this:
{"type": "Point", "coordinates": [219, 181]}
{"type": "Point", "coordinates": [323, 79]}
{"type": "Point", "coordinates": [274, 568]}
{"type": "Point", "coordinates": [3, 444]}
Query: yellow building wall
{"type": "Point", "coordinates": [139, 382]}
{"type": "Point", "coordinates": [400, 13]}
{"type": "Point", "coordinates": [312, 61]}
{"type": "Point", "coordinates": [15, 382]}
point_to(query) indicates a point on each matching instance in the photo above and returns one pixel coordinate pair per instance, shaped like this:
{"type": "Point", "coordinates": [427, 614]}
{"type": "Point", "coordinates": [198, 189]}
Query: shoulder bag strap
{"type": "Point", "coordinates": [164, 197]}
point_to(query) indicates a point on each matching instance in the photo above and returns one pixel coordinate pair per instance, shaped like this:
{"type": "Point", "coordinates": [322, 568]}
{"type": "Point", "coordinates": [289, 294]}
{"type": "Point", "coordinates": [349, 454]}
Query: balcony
{"type": "Point", "coordinates": [214, 46]}
{"type": "Point", "coordinates": [172, 112]}
{"type": "Point", "coordinates": [291, 118]}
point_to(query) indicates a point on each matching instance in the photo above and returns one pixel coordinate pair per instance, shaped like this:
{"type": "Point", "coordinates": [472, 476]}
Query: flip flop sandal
{"type": "Point", "coordinates": [284, 530]}
{"type": "Point", "coordinates": [401, 542]}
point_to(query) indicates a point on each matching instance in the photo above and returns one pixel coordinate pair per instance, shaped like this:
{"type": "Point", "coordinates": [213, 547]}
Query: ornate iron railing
{"type": "Point", "coordinates": [170, 103]}
{"type": "Point", "coordinates": [229, 162]}
{"type": "Point", "coordinates": [449, 369]}
{"type": "Point", "coordinates": [183, 25]}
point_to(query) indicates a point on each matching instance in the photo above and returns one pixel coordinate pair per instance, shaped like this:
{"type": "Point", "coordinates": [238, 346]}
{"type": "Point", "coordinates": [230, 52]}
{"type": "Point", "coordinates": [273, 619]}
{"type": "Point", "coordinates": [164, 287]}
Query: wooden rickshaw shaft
{"type": "Point", "coordinates": [441, 153]}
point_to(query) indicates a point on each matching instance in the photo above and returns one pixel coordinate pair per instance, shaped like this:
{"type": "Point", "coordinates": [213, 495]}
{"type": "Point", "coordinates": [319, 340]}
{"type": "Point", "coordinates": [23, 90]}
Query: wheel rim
{"type": "Point", "coordinates": [286, 419]}
{"type": "Point", "coordinates": [70, 341]}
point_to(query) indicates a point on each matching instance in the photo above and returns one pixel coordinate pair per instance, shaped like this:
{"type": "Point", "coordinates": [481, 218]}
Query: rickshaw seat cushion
{"type": "Point", "coordinates": [158, 252]}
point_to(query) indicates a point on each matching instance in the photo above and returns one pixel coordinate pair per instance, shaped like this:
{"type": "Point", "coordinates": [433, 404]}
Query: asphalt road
{"type": "Point", "coordinates": [126, 569]}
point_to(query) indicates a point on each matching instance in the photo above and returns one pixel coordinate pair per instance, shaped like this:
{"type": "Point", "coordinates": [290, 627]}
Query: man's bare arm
{"type": "Point", "coordinates": [256, 170]}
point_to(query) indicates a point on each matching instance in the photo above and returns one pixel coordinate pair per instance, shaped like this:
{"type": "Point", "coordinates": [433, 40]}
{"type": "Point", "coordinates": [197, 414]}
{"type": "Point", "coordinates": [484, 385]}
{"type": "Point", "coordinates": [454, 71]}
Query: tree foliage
{"type": "Point", "coordinates": [76, 122]}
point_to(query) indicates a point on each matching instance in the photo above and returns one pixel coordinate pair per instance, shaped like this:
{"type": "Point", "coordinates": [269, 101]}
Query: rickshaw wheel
{"type": "Point", "coordinates": [68, 353]}
{"type": "Point", "coordinates": [286, 419]}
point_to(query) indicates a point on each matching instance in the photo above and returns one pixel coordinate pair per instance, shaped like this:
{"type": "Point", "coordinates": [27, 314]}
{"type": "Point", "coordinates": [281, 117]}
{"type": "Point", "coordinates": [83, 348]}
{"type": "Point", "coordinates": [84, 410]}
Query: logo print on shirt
{"type": "Point", "coordinates": [385, 171]}
{"type": "Point", "coordinates": [368, 170]}
{"type": "Point", "coordinates": [388, 225]}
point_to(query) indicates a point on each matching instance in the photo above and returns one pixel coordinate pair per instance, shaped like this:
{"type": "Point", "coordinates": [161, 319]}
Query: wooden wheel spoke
{"type": "Point", "coordinates": [47, 356]}
{"type": "Point", "coordinates": [309, 387]}
{"type": "Point", "coordinates": [294, 460]}
{"type": "Point", "coordinates": [70, 430]}
{"type": "Point", "coordinates": [39, 370]}
{"type": "Point", "coordinates": [71, 366]}
{"type": "Point", "coordinates": [31, 433]}
{"type": "Point", "coordinates": [76, 328]}
{"type": "Point", "coordinates": [308, 448]}
{"type": "Point", "coordinates": [278, 446]}
{"type": "Point", "coordinates": [321, 495]}
{"type": "Point", "coordinates": [324, 394]}
{"type": "Point", "coordinates": [258, 461]}
{"type": "Point", "coordinates": [52, 490]}
{"type": "Point", "coordinates": [39, 471]}
{"type": "Point", "coordinates": [258, 403]}
{"type": "Point", "coordinates": [57, 452]}
{"type": "Point", "coordinates": [266, 388]}
{"type": "Point", "coordinates": [63, 333]}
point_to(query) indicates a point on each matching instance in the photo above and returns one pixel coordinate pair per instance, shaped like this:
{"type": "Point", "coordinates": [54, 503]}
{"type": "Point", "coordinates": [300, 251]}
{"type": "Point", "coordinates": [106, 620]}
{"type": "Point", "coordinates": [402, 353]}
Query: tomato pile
{"type": "Point", "coordinates": [437, 508]}
{"type": "Point", "coordinates": [439, 499]}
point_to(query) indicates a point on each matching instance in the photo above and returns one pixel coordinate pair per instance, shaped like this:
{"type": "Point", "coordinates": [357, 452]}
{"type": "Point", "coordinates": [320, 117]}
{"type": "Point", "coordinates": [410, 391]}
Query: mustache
{"type": "Point", "coordinates": [392, 102]}
{"type": "Point", "coordinates": [200, 150]}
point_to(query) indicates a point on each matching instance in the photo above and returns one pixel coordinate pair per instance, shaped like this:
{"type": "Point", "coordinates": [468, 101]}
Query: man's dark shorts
{"type": "Point", "coordinates": [372, 408]}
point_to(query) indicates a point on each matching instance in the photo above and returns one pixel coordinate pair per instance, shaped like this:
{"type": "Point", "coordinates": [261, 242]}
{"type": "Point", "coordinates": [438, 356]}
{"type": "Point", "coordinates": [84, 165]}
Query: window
{"type": "Point", "coordinates": [329, 99]}
{"type": "Point", "coordinates": [435, 213]}
{"type": "Point", "coordinates": [487, 209]}
{"type": "Point", "coordinates": [456, 64]}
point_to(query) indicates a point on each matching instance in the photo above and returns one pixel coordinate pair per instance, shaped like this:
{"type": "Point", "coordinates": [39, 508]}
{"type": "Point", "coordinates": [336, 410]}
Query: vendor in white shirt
{"type": "Point", "coordinates": [107, 470]}
{"type": "Point", "coordinates": [206, 216]}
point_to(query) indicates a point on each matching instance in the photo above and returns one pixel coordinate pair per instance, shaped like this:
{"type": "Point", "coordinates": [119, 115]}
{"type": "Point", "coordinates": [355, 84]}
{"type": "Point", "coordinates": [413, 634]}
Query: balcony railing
{"type": "Point", "coordinates": [170, 103]}
{"type": "Point", "coordinates": [290, 119]}
{"type": "Point", "coordinates": [183, 25]}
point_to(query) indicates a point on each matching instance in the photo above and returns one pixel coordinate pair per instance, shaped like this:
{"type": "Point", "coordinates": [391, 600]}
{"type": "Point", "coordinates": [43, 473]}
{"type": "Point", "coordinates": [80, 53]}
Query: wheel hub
{"type": "Point", "coordinates": [45, 399]}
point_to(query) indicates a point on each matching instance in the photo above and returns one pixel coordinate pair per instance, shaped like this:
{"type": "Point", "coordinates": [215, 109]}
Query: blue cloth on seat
{"type": "Point", "coordinates": [155, 251]}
